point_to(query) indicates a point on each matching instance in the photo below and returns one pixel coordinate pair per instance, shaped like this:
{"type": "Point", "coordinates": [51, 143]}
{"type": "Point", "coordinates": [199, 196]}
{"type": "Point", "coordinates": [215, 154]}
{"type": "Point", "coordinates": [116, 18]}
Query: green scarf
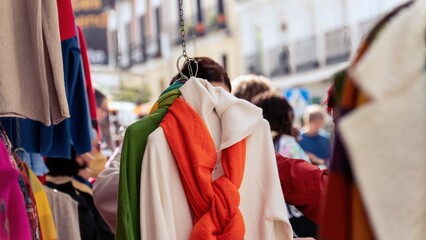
{"type": "Point", "coordinates": [133, 149]}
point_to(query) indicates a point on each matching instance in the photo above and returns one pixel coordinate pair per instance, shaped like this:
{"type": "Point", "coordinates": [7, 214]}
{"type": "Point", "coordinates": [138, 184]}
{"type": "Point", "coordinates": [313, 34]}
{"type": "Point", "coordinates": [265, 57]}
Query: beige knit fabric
{"type": "Point", "coordinates": [31, 68]}
{"type": "Point", "coordinates": [386, 138]}
{"type": "Point", "coordinates": [65, 214]}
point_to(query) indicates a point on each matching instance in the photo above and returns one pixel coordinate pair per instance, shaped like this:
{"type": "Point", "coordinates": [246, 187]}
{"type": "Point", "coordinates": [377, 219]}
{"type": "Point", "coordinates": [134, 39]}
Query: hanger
{"type": "Point", "coordinates": [183, 77]}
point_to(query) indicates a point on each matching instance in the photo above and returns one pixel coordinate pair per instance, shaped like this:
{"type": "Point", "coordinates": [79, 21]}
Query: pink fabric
{"type": "Point", "coordinates": [13, 216]}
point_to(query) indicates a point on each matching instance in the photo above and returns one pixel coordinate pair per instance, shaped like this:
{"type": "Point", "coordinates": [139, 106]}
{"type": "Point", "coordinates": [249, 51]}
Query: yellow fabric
{"type": "Point", "coordinates": [361, 228]}
{"type": "Point", "coordinates": [154, 108]}
{"type": "Point", "coordinates": [47, 224]}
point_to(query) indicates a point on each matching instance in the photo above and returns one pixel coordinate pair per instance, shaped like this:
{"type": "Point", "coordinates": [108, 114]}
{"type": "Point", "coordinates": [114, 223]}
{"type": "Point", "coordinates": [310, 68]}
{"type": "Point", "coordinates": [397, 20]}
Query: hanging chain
{"type": "Point", "coordinates": [183, 42]}
{"type": "Point", "coordinates": [182, 30]}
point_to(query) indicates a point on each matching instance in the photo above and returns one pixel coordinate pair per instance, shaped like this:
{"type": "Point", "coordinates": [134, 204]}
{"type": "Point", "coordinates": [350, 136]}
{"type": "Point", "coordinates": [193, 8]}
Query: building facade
{"type": "Point", "coordinates": [302, 43]}
{"type": "Point", "coordinates": [145, 39]}
{"type": "Point", "coordinates": [294, 43]}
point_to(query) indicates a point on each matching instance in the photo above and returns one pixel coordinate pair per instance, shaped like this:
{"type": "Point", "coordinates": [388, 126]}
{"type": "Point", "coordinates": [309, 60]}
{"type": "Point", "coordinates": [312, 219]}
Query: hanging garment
{"type": "Point", "coordinates": [88, 79]}
{"type": "Point", "coordinates": [105, 190]}
{"type": "Point", "coordinates": [13, 217]}
{"type": "Point", "coordinates": [344, 215]}
{"type": "Point", "coordinates": [393, 75]}
{"type": "Point", "coordinates": [30, 203]}
{"type": "Point", "coordinates": [32, 79]}
{"type": "Point", "coordinates": [92, 226]}
{"type": "Point", "coordinates": [130, 169]}
{"type": "Point", "coordinates": [214, 204]}
{"type": "Point", "coordinates": [45, 216]}
{"type": "Point", "coordinates": [35, 161]}
{"type": "Point", "coordinates": [56, 141]}
{"type": "Point", "coordinates": [65, 214]}
{"type": "Point", "coordinates": [164, 211]}
{"type": "Point", "coordinates": [25, 186]}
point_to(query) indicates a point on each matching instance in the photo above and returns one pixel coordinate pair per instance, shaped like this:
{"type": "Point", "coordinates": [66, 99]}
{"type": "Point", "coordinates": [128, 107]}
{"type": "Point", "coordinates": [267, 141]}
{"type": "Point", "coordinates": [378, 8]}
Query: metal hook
{"type": "Point", "coordinates": [179, 69]}
{"type": "Point", "coordinates": [25, 153]}
{"type": "Point", "coordinates": [188, 62]}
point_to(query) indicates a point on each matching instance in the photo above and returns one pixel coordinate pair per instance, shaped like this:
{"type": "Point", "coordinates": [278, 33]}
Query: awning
{"type": "Point", "coordinates": [306, 78]}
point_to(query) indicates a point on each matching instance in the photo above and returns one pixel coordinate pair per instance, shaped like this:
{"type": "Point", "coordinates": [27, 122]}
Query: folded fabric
{"type": "Point", "coordinates": [130, 169]}
{"type": "Point", "coordinates": [344, 215]}
{"type": "Point", "coordinates": [164, 209]}
{"type": "Point", "coordinates": [215, 204]}
{"type": "Point", "coordinates": [394, 76]}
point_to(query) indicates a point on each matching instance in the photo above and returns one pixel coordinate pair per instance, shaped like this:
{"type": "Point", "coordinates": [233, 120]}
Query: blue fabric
{"type": "Point", "coordinates": [36, 163]}
{"type": "Point", "coordinates": [318, 145]}
{"type": "Point", "coordinates": [56, 140]}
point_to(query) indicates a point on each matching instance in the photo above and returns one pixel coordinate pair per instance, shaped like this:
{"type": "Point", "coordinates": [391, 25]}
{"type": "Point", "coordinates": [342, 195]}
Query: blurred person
{"type": "Point", "coordinates": [91, 163]}
{"type": "Point", "coordinates": [60, 178]}
{"type": "Point", "coordinates": [314, 139]}
{"type": "Point", "coordinates": [104, 119]}
{"type": "Point", "coordinates": [248, 86]}
{"type": "Point", "coordinates": [278, 112]}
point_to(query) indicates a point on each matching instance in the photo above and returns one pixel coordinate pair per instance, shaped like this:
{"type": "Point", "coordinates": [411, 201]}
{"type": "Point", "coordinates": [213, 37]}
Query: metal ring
{"type": "Point", "coordinates": [20, 149]}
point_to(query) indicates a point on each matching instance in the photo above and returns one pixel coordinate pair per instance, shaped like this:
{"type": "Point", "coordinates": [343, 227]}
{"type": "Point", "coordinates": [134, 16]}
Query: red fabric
{"type": "Point", "coordinates": [87, 77]}
{"type": "Point", "coordinates": [66, 19]}
{"type": "Point", "coordinates": [303, 185]}
{"type": "Point", "coordinates": [42, 179]}
{"type": "Point", "coordinates": [214, 203]}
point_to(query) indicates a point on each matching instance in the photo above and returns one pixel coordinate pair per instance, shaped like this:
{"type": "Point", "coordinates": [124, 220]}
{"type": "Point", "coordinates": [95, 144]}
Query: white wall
{"type": "Point", "coordinates": [303, 18]}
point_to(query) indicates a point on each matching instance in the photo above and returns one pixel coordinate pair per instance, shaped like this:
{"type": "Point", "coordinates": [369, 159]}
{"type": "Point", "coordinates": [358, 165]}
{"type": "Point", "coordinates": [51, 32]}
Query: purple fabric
{"type": "Point", "coordinates": [13, 216]}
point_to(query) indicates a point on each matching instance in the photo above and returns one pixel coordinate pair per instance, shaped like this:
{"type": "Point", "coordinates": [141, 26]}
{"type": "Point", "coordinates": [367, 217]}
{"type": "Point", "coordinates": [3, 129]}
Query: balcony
{"type": "Point", "coordinates": [212, 22]}
{"type": "Point", "coordinates": [278, 61]}
{"type": "Point", "coordinates": [305, 54]}
{"type": "Point", "coordinates": [337, 46]}
{"type": "Point", "coordinates": [149, 49]}
{"type": "Point", "coordinates": [254, 64]}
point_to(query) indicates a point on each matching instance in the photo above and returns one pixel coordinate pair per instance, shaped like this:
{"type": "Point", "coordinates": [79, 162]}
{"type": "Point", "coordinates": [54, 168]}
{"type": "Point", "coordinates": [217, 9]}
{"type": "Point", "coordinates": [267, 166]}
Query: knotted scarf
{"type": "Point", "coordinates": [214, 204]}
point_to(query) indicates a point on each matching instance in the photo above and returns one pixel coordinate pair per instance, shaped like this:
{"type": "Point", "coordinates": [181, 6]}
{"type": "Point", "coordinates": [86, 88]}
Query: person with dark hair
{"type": "Point", "coordinates": [280, 116]}
{"type": "Point", "coordinates": [208, 70]}
{"type": "Point", "coordinates": [103, 118]}
{"type": "Point", "coordinates": [278, 112]}
{"type": "Point", "coordinates": [60, 178]}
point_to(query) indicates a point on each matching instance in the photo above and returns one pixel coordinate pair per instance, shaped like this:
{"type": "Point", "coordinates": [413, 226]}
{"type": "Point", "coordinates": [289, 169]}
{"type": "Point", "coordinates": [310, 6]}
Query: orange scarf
{"type": "Point", "coordinates": [214, 204]}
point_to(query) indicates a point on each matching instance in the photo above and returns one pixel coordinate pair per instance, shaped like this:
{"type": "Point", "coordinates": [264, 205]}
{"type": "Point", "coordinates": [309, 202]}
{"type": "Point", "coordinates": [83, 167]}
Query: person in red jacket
{"type": "Point", "coordinates": [303, 185]}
